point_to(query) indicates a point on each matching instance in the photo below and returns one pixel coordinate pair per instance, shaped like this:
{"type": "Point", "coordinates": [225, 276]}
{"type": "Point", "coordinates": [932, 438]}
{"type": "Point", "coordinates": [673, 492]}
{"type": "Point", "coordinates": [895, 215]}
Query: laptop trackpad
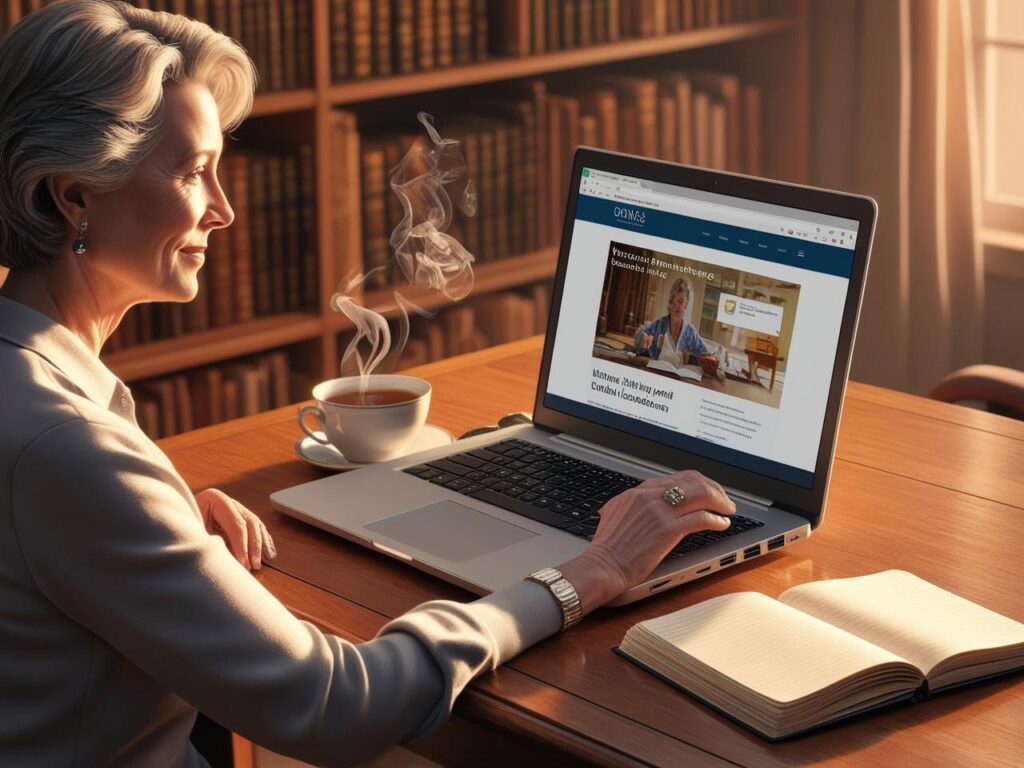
{"type": "Point", "coordinates": [450, 530]}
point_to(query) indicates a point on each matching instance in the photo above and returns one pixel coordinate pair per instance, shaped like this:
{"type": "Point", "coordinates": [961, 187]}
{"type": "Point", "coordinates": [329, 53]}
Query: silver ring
{"type": "Point", "coordinates": [675, 496]}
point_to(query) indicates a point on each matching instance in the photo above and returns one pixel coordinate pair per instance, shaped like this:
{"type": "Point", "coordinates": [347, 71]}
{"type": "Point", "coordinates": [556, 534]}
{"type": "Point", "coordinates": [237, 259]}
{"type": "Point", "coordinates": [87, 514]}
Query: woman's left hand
{"type": "Point", "coordinates": [245, 534]}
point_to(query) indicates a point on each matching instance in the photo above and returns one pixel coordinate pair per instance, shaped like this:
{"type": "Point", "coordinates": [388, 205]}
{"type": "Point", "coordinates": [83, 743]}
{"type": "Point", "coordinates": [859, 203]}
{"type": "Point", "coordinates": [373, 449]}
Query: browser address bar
{"type": "Point", "coordinates": [693, 208]}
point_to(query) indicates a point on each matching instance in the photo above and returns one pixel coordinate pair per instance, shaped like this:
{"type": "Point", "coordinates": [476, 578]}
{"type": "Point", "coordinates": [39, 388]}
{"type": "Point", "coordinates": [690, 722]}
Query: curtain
{"type": "Point", "coordinates": [894, 117]}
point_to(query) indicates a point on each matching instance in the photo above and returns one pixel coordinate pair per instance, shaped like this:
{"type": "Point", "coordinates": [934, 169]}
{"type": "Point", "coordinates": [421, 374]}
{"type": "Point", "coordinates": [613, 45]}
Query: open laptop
{"type": "Point", "coordinates": [742, 380]}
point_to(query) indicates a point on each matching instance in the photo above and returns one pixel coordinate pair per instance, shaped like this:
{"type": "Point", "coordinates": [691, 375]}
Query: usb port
{"type": "Point", "coordinates": [659, 585]}
{"type": "Point", "coordinates": [753, 551]}
{"type": "Point", "coordinates": [727, 560]}
{"type": "Point", "coordinates": [777, 542]}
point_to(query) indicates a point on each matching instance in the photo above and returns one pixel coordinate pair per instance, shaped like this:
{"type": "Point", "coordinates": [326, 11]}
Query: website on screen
{"type": "Point", "coordinates": [704, 322]}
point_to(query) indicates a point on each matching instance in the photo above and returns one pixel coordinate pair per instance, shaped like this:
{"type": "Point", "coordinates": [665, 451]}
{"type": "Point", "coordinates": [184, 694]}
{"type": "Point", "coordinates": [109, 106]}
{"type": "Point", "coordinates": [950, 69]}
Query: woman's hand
{"type": "Point", "coordinates": [245, 534]}
{"type": "Point", "coordinates": [639, 528]}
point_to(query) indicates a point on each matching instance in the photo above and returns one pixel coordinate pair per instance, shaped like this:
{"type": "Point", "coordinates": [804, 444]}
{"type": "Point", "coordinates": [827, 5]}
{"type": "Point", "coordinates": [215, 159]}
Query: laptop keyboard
{"type": "Point", "coordinates": [549, 487]}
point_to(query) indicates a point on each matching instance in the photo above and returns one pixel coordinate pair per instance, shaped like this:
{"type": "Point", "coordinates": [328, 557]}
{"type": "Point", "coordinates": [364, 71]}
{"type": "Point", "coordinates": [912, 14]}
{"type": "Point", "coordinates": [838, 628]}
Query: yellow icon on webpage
{"type": "Point", "coordinates": [730, 306]}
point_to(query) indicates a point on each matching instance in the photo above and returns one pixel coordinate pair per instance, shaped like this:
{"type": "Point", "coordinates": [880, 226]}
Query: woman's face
{"type": "Point", "coordinates": [677, 306]}
{"type": "Point", "coordinates": [148, 239]}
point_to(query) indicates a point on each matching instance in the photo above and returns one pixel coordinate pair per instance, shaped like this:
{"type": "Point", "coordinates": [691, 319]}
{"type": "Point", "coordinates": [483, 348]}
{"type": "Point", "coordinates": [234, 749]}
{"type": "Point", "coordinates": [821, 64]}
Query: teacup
{"type": "Point", "coordinates": [370, 423]}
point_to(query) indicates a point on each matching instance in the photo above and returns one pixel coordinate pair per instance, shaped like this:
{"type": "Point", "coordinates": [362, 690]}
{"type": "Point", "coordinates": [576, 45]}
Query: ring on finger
{"type": "Point", "coordinates": [674, 496]}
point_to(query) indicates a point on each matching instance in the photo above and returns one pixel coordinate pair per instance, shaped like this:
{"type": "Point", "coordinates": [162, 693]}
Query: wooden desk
{"type": "Point", "coordinates": [928, 487]}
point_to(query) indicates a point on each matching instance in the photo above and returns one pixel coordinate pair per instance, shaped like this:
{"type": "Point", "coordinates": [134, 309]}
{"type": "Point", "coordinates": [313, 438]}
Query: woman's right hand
{"type": "Point", "coordinates": [639, 528]}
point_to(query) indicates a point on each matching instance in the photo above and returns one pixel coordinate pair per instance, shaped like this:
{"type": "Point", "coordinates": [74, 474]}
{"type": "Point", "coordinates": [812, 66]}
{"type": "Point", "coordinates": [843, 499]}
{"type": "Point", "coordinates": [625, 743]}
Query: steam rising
{"type": "Point", "coordinates": [425, 180]}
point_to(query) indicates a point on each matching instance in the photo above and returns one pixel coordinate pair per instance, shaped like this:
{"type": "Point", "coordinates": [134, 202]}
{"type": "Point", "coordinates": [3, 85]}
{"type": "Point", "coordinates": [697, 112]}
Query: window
{"type": "Point", "coordinates": [999, 35]}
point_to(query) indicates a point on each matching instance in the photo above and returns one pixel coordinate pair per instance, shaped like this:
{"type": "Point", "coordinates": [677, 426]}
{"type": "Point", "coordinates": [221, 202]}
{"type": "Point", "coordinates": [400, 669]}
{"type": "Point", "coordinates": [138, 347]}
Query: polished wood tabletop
{"type": "Point", "coordinates": [931, 488]}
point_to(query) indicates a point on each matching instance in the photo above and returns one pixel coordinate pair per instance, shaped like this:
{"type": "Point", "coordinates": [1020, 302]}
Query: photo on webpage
{"type": "Point", "coordinates": [725, 330]}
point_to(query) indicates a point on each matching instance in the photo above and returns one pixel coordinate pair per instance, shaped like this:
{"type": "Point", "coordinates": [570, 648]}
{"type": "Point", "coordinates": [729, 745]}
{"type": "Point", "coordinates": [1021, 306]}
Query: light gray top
{"type": "Point", "coordinates": [119, 613]}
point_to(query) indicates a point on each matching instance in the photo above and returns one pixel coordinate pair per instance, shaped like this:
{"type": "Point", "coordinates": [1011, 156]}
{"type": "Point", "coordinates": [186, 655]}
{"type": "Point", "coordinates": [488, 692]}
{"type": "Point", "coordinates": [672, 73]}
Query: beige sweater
{"type": "Point", "coordinates": [120, 614]}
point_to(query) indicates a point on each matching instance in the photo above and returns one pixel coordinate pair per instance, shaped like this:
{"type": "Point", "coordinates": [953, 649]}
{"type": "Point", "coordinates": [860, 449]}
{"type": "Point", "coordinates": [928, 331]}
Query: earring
{"type": "Point", "coordinates": [79, 244]}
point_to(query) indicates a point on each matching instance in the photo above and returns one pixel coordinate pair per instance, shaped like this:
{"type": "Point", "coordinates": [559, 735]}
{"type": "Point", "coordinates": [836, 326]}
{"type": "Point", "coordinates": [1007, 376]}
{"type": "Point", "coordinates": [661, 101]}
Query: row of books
{"type": "Point", "coordinates": [519, 151]}
{"type": "Point", "coordinates": [385, 37]}
{"type": "Point", "coordinates": [375, 39]}
{"type": "Point", "coordinates": [277, 34]}
{"type": "Point", "coordinates": [540, 26]}
{"type": "Point", "coordinates": [264, 264]}
{"type": "Point", "coordinates": [478, 323]}
{"type": "Point", "coordinates": [181, 402]}
{"type": "Point", "coordinates": [168, 405]}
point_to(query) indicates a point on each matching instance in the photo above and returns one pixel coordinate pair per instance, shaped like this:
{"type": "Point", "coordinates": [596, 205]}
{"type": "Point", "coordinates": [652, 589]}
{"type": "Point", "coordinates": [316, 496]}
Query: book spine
{"type": "Point", "coordinates": [425, 34]}
{"type": "Point", "coordinates": [382, 38]}
{"type": "Point", "coordinates": [275, 221]}
{"type": "Point", "coordinates": [339, 40]}
{"type": "Point", "coordinates": [275, 59]}
{"type": "Point", "coordinates": [375, 241]}
{"type": "Point", "coordinates": [462, 32]}
{"type": "Point", "coordinates": [307, 223]}
{"type": "Point", "coordinates": [443, 54]}
{"type": "Point", "coordinates": [360, 24]}
{"type": "Point", "coordinates": [404, 54]}
{"type": "Point", "coordinates": [502, 202]}
{"type": "Point", "coordinates": [289, 59]}
{"type": "Point", "coordinates": [480, 30]}
{"type": "Point", "coordinates": [241, 242]}
{"type": "Point", "coordinates": [293, 254]}
{"type": "Point", "coordinates": [568, 24]}
{"type": "Point", "coordinates": [585, 22]}
{"type": "Point", "coordinates": [303, 44]}
{"type": "Point", "coordinates": [260, 234]}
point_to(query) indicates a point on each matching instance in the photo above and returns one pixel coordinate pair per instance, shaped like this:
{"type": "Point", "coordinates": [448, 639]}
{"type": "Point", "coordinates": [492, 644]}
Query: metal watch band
{"type": "Point", "coordinates": [564, 592]}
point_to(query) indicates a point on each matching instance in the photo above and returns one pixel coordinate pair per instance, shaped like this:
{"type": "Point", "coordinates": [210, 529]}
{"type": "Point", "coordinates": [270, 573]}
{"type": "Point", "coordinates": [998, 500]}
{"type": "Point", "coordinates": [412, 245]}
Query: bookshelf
{"type": "Point", "coordinates": [766, 43]}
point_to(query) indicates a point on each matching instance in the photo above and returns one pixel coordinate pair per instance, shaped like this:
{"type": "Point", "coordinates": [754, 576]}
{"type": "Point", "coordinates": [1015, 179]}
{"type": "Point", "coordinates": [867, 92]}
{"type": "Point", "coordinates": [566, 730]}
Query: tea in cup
{"type": "Point", "coordinates": [368, 419]}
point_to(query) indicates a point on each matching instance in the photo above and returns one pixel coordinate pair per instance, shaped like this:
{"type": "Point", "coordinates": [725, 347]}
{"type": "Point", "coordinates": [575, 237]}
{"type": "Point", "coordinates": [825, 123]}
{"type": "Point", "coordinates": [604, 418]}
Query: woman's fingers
{"type": "Point", "coordinates": [700, 492]}
{"type": "Point", "coordinates": [236, 532]}
{"type": "Point", "coordinates": [269, 548]}
{"type": "Point", "coordinates": [254, 527]}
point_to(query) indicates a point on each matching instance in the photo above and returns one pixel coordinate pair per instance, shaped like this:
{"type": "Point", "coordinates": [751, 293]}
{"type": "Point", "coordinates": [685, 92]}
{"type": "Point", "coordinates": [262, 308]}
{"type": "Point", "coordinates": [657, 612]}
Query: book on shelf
{"type": "Point", "coordinates": [360, 30]}
{"type": "Point", "coordinates": [462, 32]}
{"type": "Point", "coordinates": [177, 403]}
{"type": "Point", "coordinates": [825, 651]}
{"type": "Point", "coordinates": [424, 30]}
{"type": "Point", "coordinates": [382, 33]}
{"type": "Point", "coordinates": [404, 15]}
{"type": "Point", "coordinates": [443, 44]}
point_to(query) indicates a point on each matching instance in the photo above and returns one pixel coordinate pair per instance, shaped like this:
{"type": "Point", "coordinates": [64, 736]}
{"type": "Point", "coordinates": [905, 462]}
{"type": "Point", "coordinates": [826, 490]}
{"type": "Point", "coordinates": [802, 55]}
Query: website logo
{"type": "Point", "coordinates": [630, 215]}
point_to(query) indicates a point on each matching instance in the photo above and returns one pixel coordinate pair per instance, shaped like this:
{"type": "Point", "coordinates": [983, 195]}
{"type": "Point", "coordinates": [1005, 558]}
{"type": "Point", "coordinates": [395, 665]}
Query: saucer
{"type": "Point", "coordinates": [329, 457]}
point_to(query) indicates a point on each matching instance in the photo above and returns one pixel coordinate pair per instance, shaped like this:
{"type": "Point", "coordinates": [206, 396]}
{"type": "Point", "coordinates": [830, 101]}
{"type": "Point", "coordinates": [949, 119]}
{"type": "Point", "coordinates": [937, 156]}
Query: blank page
{"type": "Point", "coordinates": [907, 615]}
{"type": "Point", "coordinates": [765, 646]}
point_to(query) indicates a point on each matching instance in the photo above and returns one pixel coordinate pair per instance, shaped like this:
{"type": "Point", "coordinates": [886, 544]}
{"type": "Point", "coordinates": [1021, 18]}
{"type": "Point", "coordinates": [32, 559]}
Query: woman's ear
{"type": "Point", "coordinates": [69, 198]}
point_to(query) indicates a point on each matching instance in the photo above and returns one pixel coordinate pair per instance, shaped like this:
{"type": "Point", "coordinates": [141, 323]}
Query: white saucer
{"type": "Point", "coordinates": [329, 457]}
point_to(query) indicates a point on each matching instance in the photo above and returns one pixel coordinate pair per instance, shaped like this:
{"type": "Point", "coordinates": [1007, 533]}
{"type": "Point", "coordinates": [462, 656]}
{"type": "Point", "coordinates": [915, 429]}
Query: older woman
{"type": "Point", "coordinates": [120, 611]}
{"type": "Point", "coordinates": [671, 337]}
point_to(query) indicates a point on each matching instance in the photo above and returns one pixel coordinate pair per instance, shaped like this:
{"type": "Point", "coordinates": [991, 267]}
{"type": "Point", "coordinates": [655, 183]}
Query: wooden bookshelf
{"type": "Point", "coordinates": [771, 51]}
{"type": "Point", "coordinates": [488, 278]}
{"type": "Point", "coordinates": [205, 347]}
{"type": "Point", "coordinates": [549, 63]}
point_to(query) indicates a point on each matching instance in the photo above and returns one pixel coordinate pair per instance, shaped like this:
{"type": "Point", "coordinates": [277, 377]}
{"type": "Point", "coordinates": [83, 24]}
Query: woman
{"type": "Point", "coordinates": [671, 338]}
{"type": "Point", "coordinates": [120, 610]}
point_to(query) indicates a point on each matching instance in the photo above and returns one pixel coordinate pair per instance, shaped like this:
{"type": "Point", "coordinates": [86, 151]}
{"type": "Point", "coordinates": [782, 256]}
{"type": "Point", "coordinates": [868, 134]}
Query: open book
{"type": "Point", "coordinates": [826, 650]}
{"type": "Point", "coordinates": [692, 372]}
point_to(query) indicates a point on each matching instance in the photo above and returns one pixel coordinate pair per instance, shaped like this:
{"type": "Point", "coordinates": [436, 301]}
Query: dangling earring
{"type": "Point", "coordinates": [79, 244]}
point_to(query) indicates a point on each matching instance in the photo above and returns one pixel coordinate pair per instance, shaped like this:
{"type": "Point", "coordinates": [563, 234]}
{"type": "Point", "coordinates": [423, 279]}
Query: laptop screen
{"type": "Point", "coordinates": [704, 322]}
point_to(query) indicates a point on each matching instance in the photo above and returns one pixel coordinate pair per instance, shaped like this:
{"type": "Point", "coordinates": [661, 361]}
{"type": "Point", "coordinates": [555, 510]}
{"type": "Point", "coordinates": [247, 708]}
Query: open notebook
{"type": "Point", "coordinates": [826, 650]}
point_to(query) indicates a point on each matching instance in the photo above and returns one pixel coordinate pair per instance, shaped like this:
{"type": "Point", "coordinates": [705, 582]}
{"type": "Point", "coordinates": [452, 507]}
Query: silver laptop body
{"type": "Point", "coordinates": [483, 547]}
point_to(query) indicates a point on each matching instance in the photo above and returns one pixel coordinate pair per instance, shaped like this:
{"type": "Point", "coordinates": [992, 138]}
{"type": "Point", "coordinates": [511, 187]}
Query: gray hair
{"type": "Point", "coordinates": [81, 93]}
{"type": "Point", "coordinates": [681, 285]}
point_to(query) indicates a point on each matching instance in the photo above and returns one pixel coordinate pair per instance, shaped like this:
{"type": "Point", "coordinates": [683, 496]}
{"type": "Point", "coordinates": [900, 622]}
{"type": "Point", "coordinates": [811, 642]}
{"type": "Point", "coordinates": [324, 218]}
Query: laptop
{"type": "Point", "coordinates": [699, 320]}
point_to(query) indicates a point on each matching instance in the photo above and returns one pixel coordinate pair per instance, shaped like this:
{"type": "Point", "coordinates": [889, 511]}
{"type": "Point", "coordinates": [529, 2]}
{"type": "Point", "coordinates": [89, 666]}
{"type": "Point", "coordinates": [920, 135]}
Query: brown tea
{"type": "Point", "coordinates": [373, 397]}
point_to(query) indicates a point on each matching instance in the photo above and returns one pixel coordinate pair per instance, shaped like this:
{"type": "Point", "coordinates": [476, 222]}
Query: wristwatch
{"type": "Point", "coordinates": [564, 593]}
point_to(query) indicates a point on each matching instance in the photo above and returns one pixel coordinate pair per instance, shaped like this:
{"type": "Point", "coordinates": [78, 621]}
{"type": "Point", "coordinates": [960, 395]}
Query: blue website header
{"type": "Point", "coordinates": [753, 243]}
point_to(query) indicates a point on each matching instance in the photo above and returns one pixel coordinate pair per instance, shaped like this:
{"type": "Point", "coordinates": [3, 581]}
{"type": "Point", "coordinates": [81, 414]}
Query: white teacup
{"type": "Point", "coordinates": [375, 429]}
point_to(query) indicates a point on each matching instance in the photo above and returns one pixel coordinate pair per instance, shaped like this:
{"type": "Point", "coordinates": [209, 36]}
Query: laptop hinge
{"type": "Point", "coordinates": [579, 442]}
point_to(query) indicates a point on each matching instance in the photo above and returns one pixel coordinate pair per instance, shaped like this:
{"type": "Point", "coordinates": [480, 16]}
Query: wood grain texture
{"type": "Point", "coordinates": [916, 485]}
